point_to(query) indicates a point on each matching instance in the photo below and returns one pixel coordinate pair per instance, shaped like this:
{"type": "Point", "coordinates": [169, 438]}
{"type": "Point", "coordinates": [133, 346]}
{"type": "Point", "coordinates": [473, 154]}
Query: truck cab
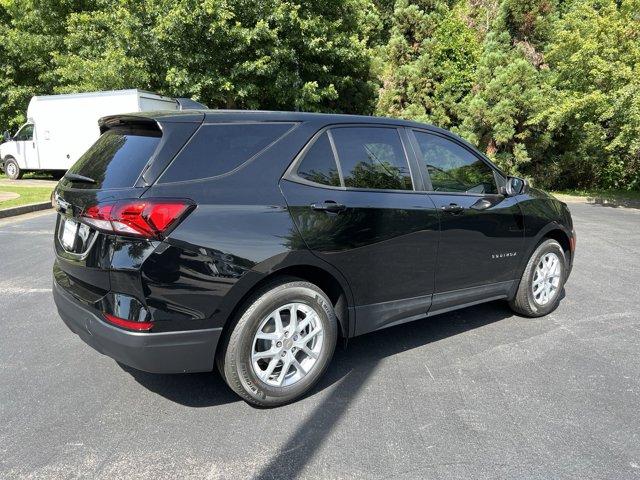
{"type": "Point", "coordinates": [20, 151]}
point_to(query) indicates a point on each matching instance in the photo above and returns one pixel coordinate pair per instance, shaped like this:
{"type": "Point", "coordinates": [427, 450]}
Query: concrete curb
{"type": "Point", "coordinates": [21, 210]}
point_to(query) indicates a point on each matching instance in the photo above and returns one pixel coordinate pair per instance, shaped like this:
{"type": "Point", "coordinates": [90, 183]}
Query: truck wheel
{"type": "Point", "coordinates": [12, 169]}
{"type": "Point", "coordinates": [542, 281]}
{"type": "Point", "coordinates": [281, 344]}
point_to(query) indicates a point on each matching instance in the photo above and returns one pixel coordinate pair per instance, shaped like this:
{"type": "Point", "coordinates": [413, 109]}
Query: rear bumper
{"type": "Point", "coordinates": [165, 352]}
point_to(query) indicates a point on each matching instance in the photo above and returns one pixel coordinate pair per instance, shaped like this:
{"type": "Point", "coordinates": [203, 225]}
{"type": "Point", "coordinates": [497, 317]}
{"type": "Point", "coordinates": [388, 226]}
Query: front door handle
{"type": "Point", "coordinates": [328, 206]}
{"type": "Point", "coordinates": [453, 208]}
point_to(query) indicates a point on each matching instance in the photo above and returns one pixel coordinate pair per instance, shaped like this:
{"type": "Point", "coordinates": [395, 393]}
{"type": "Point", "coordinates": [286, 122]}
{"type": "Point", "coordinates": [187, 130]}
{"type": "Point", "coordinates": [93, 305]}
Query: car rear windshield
{"type": "Point", "coordinates": [219, 148]}
{"type": "Point", "coordinates": [117, 158]}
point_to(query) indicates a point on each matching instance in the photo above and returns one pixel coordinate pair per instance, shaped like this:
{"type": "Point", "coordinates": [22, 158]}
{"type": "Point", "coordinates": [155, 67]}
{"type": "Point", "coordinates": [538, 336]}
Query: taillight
{"type": "Point", "coordinates": [140, 218]}
{"type": "Point", "coordinates": [128, 324]}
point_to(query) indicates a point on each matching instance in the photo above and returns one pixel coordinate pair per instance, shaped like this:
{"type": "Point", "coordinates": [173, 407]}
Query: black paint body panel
{"type": "Point", "coordinates": [394, 256]}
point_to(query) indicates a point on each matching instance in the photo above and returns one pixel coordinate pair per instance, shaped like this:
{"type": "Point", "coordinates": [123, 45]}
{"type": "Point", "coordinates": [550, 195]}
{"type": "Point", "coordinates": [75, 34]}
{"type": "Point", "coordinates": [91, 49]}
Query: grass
{"type": "Point", "coordinates": [605, 194]}
{"type": "Point", "coordinates": [27, 195]}
{"type": "Point", "coordinates": [31, 176]}
{"type": "Point", "coordinates": [612, 198]}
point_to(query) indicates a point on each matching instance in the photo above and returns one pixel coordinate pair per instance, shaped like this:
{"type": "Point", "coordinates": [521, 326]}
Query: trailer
{"type": "Point", "coordinates": [60, 128]}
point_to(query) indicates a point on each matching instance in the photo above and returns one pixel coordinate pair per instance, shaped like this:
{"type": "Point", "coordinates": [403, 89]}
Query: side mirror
{"type": "Point", "coordinates": [515, 186]}
{"type": "Point", "coordinates": [6, 136]}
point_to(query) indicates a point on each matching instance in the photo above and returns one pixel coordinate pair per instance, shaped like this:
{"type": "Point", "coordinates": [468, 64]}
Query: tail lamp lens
{"type": "Point", "coordinates": [140, 218]}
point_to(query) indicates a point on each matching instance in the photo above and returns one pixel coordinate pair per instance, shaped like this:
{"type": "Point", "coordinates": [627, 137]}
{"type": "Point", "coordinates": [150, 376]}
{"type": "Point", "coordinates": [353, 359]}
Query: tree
{"type": "Point", "coordinates": [233, 54]}
{"type": "Point", "coordinates": [508, 92]}
{"type": "Point", "coordinates": [430, 63]}
{"type": "Point", "coordinates": [31, 30]}
{"type": "Point", "coordinates": [594, 60]}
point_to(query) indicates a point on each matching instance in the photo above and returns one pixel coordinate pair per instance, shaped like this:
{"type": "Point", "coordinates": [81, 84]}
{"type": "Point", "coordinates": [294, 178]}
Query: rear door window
{"type": "Point", "coordinates": [319, 164]}
{"type": "Point", "coordinates": [117, 158]}
{"type": "Point", "coordinates": [372, 158]}
{"type": "Point", "coordinates": [220, 148]}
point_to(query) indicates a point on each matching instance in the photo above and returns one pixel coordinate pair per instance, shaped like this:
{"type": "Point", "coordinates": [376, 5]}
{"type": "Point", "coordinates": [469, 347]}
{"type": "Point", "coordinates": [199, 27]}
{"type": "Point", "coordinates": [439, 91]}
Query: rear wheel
{"type": "Point", "coordinates": [281, 344]}
{"type": "Point", "coordinates": [12, 169]}
{"type": "Point", "coordinates": [542, 281]}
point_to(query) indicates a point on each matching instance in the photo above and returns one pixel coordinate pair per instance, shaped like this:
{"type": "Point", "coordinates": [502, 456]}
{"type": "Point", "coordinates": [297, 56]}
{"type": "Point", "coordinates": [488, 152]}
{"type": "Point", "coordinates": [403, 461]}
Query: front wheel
{"type": "Point", "coordinates": [12, 169]}
{"type": "Point", "coordinates": [281, 344]}
{"type": "Point", "coordinates": [542, 281]}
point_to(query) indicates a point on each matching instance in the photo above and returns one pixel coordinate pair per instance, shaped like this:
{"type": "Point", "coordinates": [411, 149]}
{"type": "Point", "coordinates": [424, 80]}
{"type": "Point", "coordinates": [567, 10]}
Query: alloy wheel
{"type": "Point", "coordinates": [546, 278]}
{"type": "Point", "coordinates": [287, 344]}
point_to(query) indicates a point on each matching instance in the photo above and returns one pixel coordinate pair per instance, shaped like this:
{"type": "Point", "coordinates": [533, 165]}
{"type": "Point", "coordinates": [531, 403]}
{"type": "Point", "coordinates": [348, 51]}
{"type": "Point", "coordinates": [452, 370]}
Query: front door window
{"type": "Point", "coordinates": [25, 134]}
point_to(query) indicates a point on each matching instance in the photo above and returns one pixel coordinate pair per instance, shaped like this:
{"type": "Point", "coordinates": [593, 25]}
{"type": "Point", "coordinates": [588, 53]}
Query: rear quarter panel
{"type": "Point", "coordinates": [240, 232]}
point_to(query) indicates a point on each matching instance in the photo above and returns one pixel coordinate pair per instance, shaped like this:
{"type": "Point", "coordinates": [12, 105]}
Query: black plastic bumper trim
{"type": "Point", "coordinates": [164, 352]}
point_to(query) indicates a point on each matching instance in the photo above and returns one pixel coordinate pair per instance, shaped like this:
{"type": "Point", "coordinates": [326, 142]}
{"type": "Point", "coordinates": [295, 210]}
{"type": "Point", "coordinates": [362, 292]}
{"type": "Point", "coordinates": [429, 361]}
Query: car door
{"type": "Point", "coordinates": [26, 147]}
{"type": "Point", "coordinates": [351, 194]}
{"type": "Point", "coordinates": [481, 230]}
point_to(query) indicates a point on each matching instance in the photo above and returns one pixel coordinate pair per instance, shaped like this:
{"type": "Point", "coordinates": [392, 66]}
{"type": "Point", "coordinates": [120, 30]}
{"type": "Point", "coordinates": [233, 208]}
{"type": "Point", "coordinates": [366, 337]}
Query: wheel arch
{"type": "Point", "coordinates": [560, 236]}
{"type": "Point", "coordinates": [554, 231]}
{"type": "Point", "coordinates": [328, 280]}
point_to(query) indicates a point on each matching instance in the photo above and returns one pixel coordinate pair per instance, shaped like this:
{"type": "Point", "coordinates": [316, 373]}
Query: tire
{"type": "Point", "coordinates": [11, 169]}
{"type": "Point", "coordinates": [234, 358]}
{"type": "Point", "coordinates": [526, 302]}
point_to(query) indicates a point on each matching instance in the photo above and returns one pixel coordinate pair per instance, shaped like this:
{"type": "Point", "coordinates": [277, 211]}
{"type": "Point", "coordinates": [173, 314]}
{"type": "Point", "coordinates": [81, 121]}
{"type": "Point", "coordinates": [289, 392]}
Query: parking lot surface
{"type": "Point", "coordinates": [477, 393]}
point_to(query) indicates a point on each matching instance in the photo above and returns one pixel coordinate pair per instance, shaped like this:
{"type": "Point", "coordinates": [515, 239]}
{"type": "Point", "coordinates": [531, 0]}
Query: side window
{"type": "Point", "coordinates": [453, 168]}
{"type": "Point", "coordinates": [319, 164]}
{"type": "Point", "coordinates": [217, 149]}
{"type": "Point", "coordinates": [372, 157]}
{"type": "Point", "coordinates": [25, 134]}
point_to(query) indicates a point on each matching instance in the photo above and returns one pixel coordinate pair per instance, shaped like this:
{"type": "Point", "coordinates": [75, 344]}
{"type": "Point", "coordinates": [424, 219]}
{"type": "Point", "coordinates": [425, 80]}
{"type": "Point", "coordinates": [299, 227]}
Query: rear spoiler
{"type": "Point", "coordinates": [106, 123]}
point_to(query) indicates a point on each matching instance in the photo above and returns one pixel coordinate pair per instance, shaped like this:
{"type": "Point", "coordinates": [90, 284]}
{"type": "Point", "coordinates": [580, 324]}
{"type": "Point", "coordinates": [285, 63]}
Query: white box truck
{"type": "Point", "coordinates": [61, 127]}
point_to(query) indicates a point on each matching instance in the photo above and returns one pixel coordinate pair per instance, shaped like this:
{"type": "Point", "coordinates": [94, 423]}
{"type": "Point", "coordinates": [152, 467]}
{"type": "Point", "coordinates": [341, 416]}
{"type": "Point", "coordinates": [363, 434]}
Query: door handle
{"type": "Point", "coordinates": [328, 206]}
{"type": "Point", "coordinates": [453, 208]}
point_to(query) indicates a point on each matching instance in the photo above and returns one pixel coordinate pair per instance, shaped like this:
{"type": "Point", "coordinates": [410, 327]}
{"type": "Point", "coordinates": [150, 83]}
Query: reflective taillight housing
{"type": "Point", "coordinates": [148, 218]}
{"type": "Point", "coordinates": [128, 324]}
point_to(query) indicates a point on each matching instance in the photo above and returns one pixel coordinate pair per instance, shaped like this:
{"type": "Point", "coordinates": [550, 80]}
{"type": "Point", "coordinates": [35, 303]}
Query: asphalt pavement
{"type": "Point", "coordinates": [473, 394]}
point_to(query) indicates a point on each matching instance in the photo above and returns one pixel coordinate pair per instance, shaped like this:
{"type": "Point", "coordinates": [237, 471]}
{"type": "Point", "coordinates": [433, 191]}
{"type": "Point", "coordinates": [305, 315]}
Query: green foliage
{"type": "Point", "coordinates": [30, 32]}
{"type": "Point", "coordinates": [430, 64]}
{"type": "Point", "coordinates": [594, 117]}
{"type": "Point", "coordinates": [229, 54]}
{"type": "Point", "coordinates": [549, 89]}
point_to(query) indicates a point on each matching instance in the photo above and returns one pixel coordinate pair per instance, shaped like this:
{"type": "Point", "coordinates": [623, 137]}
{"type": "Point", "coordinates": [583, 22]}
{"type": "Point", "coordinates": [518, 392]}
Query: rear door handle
{"type": "Point", "coordinates": [328, 206]}
{"type": "Point", "coordinates": [452, 208]}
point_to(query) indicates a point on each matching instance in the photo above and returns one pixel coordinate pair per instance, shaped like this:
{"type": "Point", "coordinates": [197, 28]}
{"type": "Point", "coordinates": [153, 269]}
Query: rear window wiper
{"type": "Point", "coordinates": [74, 177]}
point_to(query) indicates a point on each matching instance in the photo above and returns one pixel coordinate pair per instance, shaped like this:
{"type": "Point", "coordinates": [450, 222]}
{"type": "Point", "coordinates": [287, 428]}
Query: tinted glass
{"type": "Point", "coordinates": [117, 158]}
{"type": "Point", "coordinates": [319, 164]}
{"type": "Point", "coordinates": [218, 149]}
{"type": "Point", "coordinates": [453, 168]}
{"type": "Point", "coordinates": [372, 158]}
{"type": "Point", "coordinates": [25, 133]}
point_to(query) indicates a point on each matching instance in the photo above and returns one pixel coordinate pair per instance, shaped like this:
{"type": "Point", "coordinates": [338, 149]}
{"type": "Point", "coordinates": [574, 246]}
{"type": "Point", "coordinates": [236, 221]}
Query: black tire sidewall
{"type": "Point", "coordinates": [549, 246]}
{"type": "Point", "coordinates": [238, 358]}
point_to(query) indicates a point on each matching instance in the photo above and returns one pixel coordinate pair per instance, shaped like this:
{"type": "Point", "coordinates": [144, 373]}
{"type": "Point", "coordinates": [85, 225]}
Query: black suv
{"type": "Point", "coordinates": [255, 240]}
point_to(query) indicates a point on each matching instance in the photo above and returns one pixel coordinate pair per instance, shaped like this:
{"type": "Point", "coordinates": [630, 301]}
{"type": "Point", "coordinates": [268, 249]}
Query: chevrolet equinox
{"type": "Point", "coordinates": [256, 240]}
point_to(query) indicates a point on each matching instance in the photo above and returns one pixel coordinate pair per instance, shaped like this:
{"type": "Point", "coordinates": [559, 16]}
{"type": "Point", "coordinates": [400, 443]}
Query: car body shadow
{"type": "Point", "coordinates": [189, 389]}
{"type": "Point", "coordinates": [360, 356]}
